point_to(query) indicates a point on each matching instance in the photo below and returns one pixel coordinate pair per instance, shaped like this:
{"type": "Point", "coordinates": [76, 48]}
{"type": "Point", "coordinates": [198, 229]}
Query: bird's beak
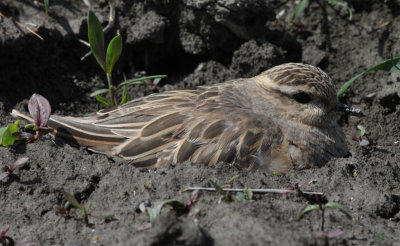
{"type": "Point", "coordinates": [349, 110]}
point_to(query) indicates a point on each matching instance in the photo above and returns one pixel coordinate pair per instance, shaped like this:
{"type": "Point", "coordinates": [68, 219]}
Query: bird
{"type": "Point", "coordinates": [282, 119]}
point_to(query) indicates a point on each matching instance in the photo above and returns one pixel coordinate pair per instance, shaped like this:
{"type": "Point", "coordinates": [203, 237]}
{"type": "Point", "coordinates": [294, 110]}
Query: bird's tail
{"type": "Point", "coordinates": [79, 131]}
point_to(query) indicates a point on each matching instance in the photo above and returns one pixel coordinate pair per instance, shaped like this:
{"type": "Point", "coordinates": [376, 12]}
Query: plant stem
{"type": "Point", "coordinates": [322, 213]}
{"type": "Point", "coordinates": [323, 221]}
{"type": "Point", "coordinates": [112, 90]}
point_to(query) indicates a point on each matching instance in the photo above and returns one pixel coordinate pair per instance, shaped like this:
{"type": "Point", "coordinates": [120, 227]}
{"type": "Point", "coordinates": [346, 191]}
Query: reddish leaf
{"type": "Point", "coordinates": [4, 231]}
{"type": "Point", "coordinates": [193, 198]}
{"type": "Point", "coordinates": [330, 235]}
{"type": "Point", "coordinates": [335, 234]}
{"type": "Point", "coordinates": [364, 142]}
{"type": "Point", "coordinates": [4, 175]}
{"type": "Point", "coordinates": [40, 109]}
{"type": "Point", "coordinates": [18, 163]}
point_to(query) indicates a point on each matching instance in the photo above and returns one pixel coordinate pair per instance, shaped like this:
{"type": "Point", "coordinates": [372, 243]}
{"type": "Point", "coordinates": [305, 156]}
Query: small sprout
{"type": "Point", "coordinates": [244, 195]}
{"type": "Point", "coordinates": [45, 16]}
{"type": "Point", "coordinates": [225, 196]}
{"type": "Point", "coordinates": [362, 130]}
{"type": "Point", "coordinates": [7, 170]}
{"type": "Point", "coordinates": [6, 240]}
{"type": "Point", "coordinates": [154, 211]}
{"type": "Point", "coordinates": [322, 207]}
{"type": "Point", "coordinates": [40, 110]}
{"type": "Point", "coordinates": [343, 4]}
{"type": "Point", "coordinates": [307, 210]}
{"type": "Point", "coordinates": [85, 210]}
{"type": "Point", "coordinates": [63, 211]}
{"type": "Point", "coordinates": [311, 208]}
{"type": "Point", "coordinates": [362, 138]}
{"type": "Point", "coordinates": [107, 60]}
{"type": "Point", "coordinates": [339, 207]}
{"type": "Point", "coordinates": [194, 211]}
{"type": "Point", "coordinates": [392, 65]}
{"type": "Point", "coordinates": [297, 12]}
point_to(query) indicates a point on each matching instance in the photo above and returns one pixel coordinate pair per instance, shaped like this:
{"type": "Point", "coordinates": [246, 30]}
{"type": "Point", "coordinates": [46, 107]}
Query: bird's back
{"type": "Point", "coordinates": [206, 125]}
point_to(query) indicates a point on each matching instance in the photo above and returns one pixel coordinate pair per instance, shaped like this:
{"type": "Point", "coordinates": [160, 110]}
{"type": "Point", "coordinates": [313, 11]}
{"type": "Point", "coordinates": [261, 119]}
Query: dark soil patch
{"type": "Point", "coordinates": [197, 43]}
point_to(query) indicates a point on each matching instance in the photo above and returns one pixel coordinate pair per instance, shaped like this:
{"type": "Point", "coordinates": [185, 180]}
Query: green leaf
{"type": "Point", "coordinates": [96, 39]}
{"type": "Point", "coordinates": [391, 65]}
{"type": "Point", "coordinates": [125, 95]}
{"type": "Point", "coordinates": [29, 127]}
{"type": "Point", "coordinates": [156, 210]}
{"type": "Point", "coordinates": [339, 207]}
{"type": "Point", "coordinates": [102, 215]}
{"type": "Point", "coordinates": [232, 179]}
{"type": "Point", "coordinates": [103, 100]}
{"type": "Point", "coordinates": [362, 130]}
{"type": "Point", "coordinates": [248, 193]}
{"type": "Point", "coordinates": [217, 187]}
{"type": "Point", "coordinates": [307, 210]}
{"type": "Point", "coordinates": [7, 136]}
{"type": "Point", "coordinates": [98, 92]}
{"type": "Point", "coordinates": [240, 196]}
{"type": "Point", "coordinates": [46, 8]}
{"type": "Point", "coordinates": [113, 52]}
{"type": "Point", "coordinates": [72, 200]}
{"type": "Point", "coordinates": [139, 80]}
{"type": "Point", "coordinates": [298, 11]}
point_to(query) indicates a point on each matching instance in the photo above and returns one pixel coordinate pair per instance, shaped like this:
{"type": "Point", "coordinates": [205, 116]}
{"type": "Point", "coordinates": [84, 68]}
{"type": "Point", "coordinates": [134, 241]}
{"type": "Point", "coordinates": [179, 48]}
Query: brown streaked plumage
{"type": "Point", "coordinates": [283, 118]}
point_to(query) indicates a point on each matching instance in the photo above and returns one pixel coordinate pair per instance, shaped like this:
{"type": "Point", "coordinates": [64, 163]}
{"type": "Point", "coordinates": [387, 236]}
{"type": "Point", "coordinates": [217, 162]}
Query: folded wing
{"type": "Point", "coordinates": [206, 125]}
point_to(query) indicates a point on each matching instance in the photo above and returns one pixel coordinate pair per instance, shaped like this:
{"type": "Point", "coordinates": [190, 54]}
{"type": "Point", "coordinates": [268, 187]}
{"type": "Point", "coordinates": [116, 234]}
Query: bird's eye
{"type": "Point", "coordinates": [302, 97]}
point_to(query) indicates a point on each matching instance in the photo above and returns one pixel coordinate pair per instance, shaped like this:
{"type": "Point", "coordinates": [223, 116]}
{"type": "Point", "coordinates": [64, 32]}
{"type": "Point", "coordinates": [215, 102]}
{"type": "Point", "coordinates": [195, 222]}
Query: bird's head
{"type": "Point", "coordinates": [299, 92]}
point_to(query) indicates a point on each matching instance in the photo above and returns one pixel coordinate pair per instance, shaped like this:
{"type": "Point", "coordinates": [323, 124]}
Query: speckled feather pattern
{"type": "Point", "coordinates": [253, 123]}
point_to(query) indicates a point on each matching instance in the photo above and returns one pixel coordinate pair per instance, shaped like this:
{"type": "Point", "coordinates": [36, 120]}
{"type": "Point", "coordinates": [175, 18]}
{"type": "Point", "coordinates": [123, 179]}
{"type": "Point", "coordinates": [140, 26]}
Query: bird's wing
{"type": "Point", "coordinates": [206, 125]}
{"type": "Point", "coordinates": [113, 126]}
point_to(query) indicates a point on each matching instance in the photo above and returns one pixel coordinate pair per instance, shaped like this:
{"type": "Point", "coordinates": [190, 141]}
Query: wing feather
{"type": "Point", "coordinates": [204, 125]}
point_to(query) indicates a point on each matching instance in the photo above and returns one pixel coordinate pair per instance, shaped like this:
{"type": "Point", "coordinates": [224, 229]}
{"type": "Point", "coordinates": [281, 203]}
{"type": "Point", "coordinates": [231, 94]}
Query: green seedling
{"type": "Point", "coordinates": [40, 110]}
{"type": "Point", "coordinates": [392, 65]}
{"type": "Point", "coordinates": [343, 4]}
{"type": "Point", "coordinates": [7, 170]}
{"type": "Point", "coordinates": [363, 136]}
{"type": "Point", "coordinates": [296, 13]}
{"type": "Point", "coordinates": [63, 211]}
{"type": "Point", "coordinates": [45, 16]}
{"type": "Point", "coordinates": [107, 60]}
{"type": "Point", "coordinates": [153, 212]}
{"type": "Point", "coordinates": [85, 210]}
{"type": "Point", "coordinates": [245, 195]}
{"type": "Point", "coordinates": [4, 239]}
{"type": "Point", "coordinates": [322, 207]}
